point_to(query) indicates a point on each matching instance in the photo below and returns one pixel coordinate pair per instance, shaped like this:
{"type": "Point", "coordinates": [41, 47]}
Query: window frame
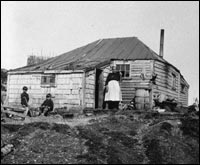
{"type": "Point", "coordinates": [183, 88]}
{"type": "Point", "coordinates": [47, 82]}
{"type": "Point", "coordinates": [125, 70]}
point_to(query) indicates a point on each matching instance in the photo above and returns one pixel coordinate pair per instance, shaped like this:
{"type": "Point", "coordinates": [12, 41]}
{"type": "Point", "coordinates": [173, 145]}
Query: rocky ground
{"type": "Point", "coordinates": [123, 138]}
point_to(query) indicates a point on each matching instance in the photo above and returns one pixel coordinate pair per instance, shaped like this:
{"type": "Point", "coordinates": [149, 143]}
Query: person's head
{"type": "Point", "coordinates": [48, 96]}
{"type": "Point", "coordinates": [114, 69]}
{"type": "Point", "coordinates": [25, 89]}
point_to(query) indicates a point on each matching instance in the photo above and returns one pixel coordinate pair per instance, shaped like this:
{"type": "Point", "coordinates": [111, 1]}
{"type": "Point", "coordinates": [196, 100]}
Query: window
{"type": "Point", "coordinates": [183, 88]}
{"type": "Point", "coordinates": [48, 80]}
{"type": "Point", "coordinates": [173, 81]}
{"type": "Point", "coordinates": [124, 69]}
{"type": "Point", "coordinates": [52, 80]}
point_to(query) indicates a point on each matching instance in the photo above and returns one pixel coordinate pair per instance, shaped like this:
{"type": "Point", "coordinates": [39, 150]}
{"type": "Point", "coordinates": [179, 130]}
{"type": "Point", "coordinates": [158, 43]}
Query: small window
{"type": "Point", "coordinates": [124, 69]}
{"type": "Point", "coordinates": [48, 80]}
{"type": "Point", "coordinates": [52, 80]}
{"type": "Point", "coordinates": [183, 88]}
{"type": "Point", "coordinates": [44, 80]}
{"type": "Point", "coordinates": [173, 81]}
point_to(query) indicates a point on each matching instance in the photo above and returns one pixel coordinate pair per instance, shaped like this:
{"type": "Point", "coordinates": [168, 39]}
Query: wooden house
{"type": "Point", "coordinates": [77, 78]}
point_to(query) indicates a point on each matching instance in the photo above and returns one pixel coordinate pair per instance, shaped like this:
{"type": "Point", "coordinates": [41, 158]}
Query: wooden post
{"type": "Point", "coordinates": [95, 77]}
{"type": "Point", "coordinates": [83, 89]}
{"type": "Point", "coordinates": [151, 86]}
{"type": "Point", "coordinates": [179, 86]}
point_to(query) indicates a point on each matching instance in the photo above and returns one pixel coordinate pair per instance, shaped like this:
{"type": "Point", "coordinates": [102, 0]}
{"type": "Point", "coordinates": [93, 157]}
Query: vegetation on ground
{"type": "Point", "coordinates": [117, 139]}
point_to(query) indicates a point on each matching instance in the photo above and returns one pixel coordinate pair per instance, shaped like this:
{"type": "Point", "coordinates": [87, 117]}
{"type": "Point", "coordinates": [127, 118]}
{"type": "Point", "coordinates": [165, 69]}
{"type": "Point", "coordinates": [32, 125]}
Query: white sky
{"type": "Point", "coordinates": [52, 28]}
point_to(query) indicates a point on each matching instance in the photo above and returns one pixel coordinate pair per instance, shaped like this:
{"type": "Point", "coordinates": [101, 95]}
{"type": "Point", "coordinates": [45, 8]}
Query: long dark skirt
{"type": "Point", "coordinates": [113, 104]}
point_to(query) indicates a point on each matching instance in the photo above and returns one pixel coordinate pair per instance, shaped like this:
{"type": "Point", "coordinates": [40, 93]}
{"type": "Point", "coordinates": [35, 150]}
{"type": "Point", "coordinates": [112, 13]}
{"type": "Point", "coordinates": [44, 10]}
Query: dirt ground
{"type": "Point", "coordinates": [123, 138]}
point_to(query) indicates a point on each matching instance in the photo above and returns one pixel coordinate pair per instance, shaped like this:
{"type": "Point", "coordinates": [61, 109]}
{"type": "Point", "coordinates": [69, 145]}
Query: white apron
{"type": "Point", "coordinates": [114, 91]}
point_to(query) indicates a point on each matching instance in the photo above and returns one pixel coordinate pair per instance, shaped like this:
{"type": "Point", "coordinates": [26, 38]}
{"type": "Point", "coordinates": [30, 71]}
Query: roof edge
{"type": "Point", "coordinates": [46, 72]}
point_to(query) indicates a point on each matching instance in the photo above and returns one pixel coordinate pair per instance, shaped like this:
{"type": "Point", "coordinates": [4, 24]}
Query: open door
{"type": "Point", "coordinates": [99, 87]}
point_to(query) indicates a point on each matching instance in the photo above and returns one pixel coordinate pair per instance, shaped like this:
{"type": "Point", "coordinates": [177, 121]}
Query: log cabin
{"type": "Point", "coordinates": [77, 78]}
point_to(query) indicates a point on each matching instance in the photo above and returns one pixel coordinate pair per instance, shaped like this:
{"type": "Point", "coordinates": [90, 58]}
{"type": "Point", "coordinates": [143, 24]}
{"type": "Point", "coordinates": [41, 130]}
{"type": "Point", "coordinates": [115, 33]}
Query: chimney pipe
{"type": "Point", "coordinates": [161, 42]}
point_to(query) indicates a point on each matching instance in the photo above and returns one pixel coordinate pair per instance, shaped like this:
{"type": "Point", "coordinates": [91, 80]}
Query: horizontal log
{"type": "Point", "coordinates": [162, 73]}
{"type": "Point", "coordinates": [132, 89]}
{"type": "Point", "coordinates": [166, 92]}
{"type": "Point", "coordinates": [136, 69]}
{"type": "Point", "coordinates": [165, 70]}
{"type": "Point", "coordinates": [161, 64]}
{"type": "Point", "coordinates": [14, 113]}
{"type": "Point", "coordinates": [184, 98]}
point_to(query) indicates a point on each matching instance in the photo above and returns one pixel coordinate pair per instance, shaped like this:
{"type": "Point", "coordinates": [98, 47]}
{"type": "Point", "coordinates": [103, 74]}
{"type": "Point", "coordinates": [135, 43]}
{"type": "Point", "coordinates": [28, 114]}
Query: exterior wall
{"type": "Point", "coordinates": [184, 94]}
{"type": "Point", "coordinates": [164, 82]}
{"type": "Point", "coordinates": [66, 92]}
{"type": "Point", "coordinates": [78, 89]}
{"type": "Point", "coordinates": [69, 90]}
{"type": "Point", "coordinates": [129, 85]}
{"type": "Point", "coordinates": [90, 89]}
{"type": "Point", "coordinates": [15, 84]}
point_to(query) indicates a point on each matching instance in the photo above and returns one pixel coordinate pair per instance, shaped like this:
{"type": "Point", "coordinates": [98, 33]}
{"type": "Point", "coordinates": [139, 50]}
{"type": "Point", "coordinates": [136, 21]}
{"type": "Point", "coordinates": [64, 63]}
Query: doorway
{"type": "Point", "coordinates": [99, 87]}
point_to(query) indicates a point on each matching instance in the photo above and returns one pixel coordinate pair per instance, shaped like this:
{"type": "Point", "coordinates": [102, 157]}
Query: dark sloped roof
{"type": "Point", "coordinates": [95, 53]}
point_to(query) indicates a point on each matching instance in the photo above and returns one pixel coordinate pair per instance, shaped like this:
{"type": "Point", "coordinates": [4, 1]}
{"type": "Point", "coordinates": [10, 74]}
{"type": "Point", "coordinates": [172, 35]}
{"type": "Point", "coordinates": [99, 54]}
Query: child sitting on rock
{"type": "Point", "coordinates": [47, 106]}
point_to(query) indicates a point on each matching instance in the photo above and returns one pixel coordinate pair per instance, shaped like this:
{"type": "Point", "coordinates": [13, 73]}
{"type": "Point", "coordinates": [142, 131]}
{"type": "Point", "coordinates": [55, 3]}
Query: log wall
{"type": "Point", "coordinates": [129, 85]}
{"type": "Point", "coordinates": [66, 92]}
{"type": "Point", "coordinates": [164, 82]}
{"type": "Point", "coordinates": [184, 94]}
{"type": "Point", "coordinates": [78, 89]}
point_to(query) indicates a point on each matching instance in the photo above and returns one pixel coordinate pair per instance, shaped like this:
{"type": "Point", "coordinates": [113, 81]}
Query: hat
{"type": "Point", "coordinates": [25, 88]}
{"type": "Point", "coordinates": [48, 95]}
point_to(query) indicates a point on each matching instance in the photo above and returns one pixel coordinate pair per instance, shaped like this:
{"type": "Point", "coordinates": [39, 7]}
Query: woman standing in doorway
{"type": "Point", "coordinates": [113, 92]}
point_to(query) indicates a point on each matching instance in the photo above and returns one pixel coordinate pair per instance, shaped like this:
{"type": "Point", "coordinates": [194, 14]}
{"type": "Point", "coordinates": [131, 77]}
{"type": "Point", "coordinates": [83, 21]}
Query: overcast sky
{"type": "Point", "coordinates": [51, 28]}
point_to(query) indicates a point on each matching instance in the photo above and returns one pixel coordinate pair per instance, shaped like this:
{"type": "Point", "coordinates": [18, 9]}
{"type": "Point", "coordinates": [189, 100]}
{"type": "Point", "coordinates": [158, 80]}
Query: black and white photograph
{"type": "Point", "coordinates": [99, 82]}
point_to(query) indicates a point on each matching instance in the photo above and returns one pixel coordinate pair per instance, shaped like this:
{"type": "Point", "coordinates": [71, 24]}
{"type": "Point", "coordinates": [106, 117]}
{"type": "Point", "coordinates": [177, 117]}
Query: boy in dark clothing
{"type": "Point", "coordinates": [47, 105]}
{"type": "Point", "coordinates": [24, 97]}
{"type": "Point", "coordinates": [25, 100]}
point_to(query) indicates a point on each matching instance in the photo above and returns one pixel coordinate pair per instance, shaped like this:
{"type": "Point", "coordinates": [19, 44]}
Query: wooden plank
{"type": "Point", "coordinates": [130, 96]}
{"type": "Point", "coordinates": [184, 99]}
{"type": "Point", "coordinates": [165, 89]}
{"type": "Point", "coordinates": [166, 92]}
{"type": "Point", "coordinates": [162, 81]}
{"type": "Point", "coordinates": [132, 83]}
{"type": "Point", "coordinates": [162, 73]}
{"type": "Point", "coordinates": [158, 63]}
{"type": "Point", "coordinates": [141, 62]}
{"type": "Point", "coordinates": [165, 66]}
{"type": "Point", "coordinates": [14, 113]}
{"type": "Point", "coordinates": [165, 85]}
{"type": "Point", "coordinates": [127, 90]}
{"type": "Point", "coordinates": [165, 71]}
{"type": "Point", "coordinates": [135, 69]}
{"type": "Point", "coordinates": [14, 108]}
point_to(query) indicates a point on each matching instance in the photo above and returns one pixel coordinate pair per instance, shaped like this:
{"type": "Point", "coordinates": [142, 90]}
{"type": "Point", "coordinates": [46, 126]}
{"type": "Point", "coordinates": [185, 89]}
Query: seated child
{"type": "Point", "coordinates": [47, 105]}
